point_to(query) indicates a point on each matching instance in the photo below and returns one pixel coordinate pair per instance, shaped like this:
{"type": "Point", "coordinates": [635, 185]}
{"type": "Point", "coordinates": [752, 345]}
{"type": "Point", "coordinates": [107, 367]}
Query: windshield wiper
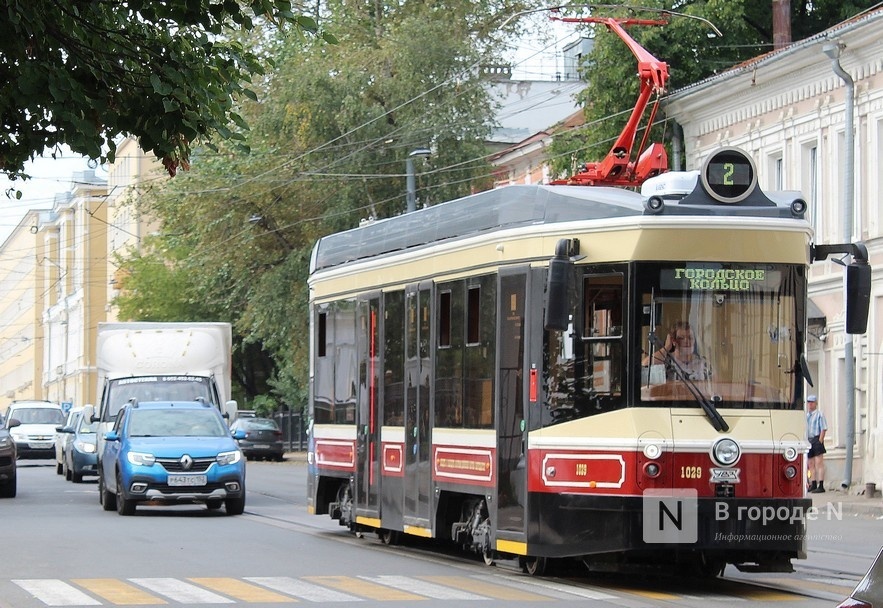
{"type": "Point", "coordinates": [717, 421]}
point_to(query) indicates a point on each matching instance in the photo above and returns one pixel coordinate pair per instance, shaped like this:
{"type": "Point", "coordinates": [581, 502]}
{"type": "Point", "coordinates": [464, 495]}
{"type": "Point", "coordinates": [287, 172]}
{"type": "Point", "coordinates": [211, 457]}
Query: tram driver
{"type": "Point", "coordinates": [679, 350]}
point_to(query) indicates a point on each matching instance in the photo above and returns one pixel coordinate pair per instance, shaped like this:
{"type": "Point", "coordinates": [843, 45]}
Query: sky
{"type": "Point", "coordinates": [49, 177]}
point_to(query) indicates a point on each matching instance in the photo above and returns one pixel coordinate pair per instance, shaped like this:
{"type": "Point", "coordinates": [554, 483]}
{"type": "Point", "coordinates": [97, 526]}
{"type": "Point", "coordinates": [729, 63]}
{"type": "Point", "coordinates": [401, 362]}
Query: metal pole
{"type": "Point", "coordinates": [833, 50]}
{"type": "Point", "coordinates": [412, 187]}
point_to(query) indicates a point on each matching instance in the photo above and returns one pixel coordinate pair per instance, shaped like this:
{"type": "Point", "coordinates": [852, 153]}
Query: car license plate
{"type": "Point", "coordinates": [261, 446]}
{"type": "Point", "coordinates": [187, 480]}
{"type": "Point", "coordinates": [39, 445]}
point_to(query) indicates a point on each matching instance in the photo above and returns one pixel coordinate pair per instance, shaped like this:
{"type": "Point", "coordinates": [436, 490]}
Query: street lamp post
{"type": "Point", "coordinates": [832, 50]}
{"type": "Point", "coordinates": [409, 171]}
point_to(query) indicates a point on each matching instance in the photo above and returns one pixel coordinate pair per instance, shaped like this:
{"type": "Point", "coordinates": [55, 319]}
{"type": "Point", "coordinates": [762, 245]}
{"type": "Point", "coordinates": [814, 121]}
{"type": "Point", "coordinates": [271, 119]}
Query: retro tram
{"type": "Point", "coordinates": [497, 372]}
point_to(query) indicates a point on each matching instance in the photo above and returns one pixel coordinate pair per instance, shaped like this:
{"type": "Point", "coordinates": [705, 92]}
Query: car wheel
{"type": "Point", "coordinates": [8, 489]}
{"type": "Point", "coordinates": [59, 468]}
{"type": "Point", "coordinates": [67, 472]}
{"type": "Point", "coordinates": [75, 477]}
{"type": "Point", "coordinates": [108, 500]}
{"type": "Point", "coordinates": [235, 506]}
{"type": "Point", "coordinates": [125, 506]}
{"type": "Point", "coordinates": [211, 505]}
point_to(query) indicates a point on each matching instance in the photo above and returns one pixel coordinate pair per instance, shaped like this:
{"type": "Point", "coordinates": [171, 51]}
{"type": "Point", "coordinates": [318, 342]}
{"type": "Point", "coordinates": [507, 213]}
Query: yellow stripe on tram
{"type": "Point", "coordinates": [489, 589]}
{"type": "Point", "coordinates": [363, 588]}
{"type": "Point", "coordinates": [118, 592]}
{"type": "Point", "coordinates": [243, 591]}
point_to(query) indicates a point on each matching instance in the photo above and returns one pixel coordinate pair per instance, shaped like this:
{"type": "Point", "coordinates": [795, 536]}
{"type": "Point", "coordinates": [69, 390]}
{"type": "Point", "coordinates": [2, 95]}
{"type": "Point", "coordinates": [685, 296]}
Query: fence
{"type": "Point", "coordinates": [294, 430]}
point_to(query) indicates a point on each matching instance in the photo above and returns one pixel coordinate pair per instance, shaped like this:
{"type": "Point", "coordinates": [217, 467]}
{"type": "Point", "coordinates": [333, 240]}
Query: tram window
{"type": "Point", "coordinates": [602, 312]}
{"type": "Point", "coordinates": [394, 358]}
{"type": "Point", "coordinates": [472, 315]}
{"type": "Point", "coordinates": [322, 322]}
{"type": "Point", "coordinates": [444, 319]}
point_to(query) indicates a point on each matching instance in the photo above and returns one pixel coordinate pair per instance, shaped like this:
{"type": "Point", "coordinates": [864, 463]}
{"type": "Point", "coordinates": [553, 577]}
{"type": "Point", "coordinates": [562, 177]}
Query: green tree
{"type": "Point", "coordinates": [684, 44]}
{"type": "Point", "coordinates": [168, 72]}
{"type": "Point", "coordinates": [328, 148]}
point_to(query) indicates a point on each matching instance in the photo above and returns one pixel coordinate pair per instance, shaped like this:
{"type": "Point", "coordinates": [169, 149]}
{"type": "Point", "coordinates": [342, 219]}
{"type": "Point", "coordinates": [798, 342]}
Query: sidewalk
{"type": "Point", "coordinates": [850, 504]}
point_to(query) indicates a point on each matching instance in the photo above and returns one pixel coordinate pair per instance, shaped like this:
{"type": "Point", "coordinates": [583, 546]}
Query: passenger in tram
{"type": "Point", "coordinates": [680, 344]}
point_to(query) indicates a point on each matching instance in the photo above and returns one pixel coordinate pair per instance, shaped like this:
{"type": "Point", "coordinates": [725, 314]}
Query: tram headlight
{"type": "Point", "coordinates": [790, 454]}
{"type": "Point", "coordinates": [651, 469]}
{"type": "Point", "coordinates": [726, 452]}
{"type": "Point", "coordinates": [790, 471]}
{"type": "Point", "coordinates": [652, 451]}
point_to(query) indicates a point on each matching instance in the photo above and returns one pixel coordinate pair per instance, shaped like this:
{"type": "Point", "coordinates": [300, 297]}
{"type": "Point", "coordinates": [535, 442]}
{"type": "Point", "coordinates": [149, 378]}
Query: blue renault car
{"type": "Point", "coordinates": [171, 453]}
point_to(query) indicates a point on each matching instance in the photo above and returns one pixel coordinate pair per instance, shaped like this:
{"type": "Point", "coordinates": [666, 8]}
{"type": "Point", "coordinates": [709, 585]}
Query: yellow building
{"type": "Point", "coordinates": [70, 275]}
{"type": "Point", "coordinates": [21, 335]}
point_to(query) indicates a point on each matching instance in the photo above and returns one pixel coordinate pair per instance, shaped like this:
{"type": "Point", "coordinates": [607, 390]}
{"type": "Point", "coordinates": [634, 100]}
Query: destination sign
{"type": "Point", "coordinates": [716, 278]}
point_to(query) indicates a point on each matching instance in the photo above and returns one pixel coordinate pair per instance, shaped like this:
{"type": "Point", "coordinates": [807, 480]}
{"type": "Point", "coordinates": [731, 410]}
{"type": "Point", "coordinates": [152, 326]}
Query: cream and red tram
{"type": "Point", "coordinates": [478, 373]}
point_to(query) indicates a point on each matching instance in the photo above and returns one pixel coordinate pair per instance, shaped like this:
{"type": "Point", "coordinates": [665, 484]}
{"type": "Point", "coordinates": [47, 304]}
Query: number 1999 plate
{"type": "Point", "coordinates": [187, 480]}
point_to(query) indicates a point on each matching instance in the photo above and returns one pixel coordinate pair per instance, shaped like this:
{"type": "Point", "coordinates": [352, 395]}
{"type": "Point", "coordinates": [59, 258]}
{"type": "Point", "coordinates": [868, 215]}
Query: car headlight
{"type": "Point", "coordinates": [141, 458]}
{"type": "Point", "coordinates": [85, 447]}
{"type": "Point", "coordinates": [18, 435]}
{"type": "Point", "coordinates": [229, 457]}
{"type": "Point", "coordinates": [726, 452]}
{"type": "Point", "coordinates": [5, 442]}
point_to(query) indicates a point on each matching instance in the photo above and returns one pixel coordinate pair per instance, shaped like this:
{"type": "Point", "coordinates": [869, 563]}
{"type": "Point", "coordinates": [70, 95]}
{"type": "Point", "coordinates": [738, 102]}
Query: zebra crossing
{"type": "Point", "coordinates": [336, 588]}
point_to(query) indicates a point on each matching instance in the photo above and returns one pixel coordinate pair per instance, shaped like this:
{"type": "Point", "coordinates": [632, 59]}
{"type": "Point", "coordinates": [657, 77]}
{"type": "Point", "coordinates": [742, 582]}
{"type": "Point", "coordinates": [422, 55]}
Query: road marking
{"type": "Point", "coordinates": [242, 590]}
{"type": "Point", "coordinates": [491, 589]}
{"type": "Point", "coordinates": [181, 591]}
{"type": "Point", "coordinates": [54, 592]}
{"type": "Point", "coordinates": [118, 592]}
{"type": "Point", "coordinates": [407, 583]}
{"type": "Point", "coordinates": [364, 588]}
{"type": "Point", "coordinates": [556, 590]}
{"type": "Point", "coordinates": [302, 589]}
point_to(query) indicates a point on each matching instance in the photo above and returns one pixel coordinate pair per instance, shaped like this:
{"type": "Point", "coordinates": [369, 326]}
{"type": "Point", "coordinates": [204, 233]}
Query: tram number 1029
{"type": "Point", "coordinates": [691, 472]}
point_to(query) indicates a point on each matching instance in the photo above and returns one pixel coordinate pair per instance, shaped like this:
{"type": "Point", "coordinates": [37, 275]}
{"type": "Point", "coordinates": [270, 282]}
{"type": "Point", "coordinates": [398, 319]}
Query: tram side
{"type": "Point", "coordinates": [458, 393]}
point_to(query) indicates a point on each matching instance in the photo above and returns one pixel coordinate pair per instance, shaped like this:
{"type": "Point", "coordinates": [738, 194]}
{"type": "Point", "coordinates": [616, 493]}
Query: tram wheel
{"type": "Point", "coordinates": [389, 537]}
{"type": "Point", "coordinates": [488, 556]}
{"type": "Point", "coordinates": [534, 566]}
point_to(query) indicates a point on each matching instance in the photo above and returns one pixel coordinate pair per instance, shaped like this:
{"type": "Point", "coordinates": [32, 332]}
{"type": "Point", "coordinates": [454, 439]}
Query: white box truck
{"type": "Point", "coordinates": [152, 361]}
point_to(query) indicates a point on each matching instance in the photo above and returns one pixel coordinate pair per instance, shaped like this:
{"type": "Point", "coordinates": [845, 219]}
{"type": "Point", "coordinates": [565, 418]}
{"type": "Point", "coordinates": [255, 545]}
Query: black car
{"type": "Point", "coordinates": [7, 463]}
{"type": "Point", "coordinates": [263, 439]}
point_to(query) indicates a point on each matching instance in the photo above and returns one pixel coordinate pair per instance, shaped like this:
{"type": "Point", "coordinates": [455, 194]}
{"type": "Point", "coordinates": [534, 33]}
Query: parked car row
{"type": "Point", "coordinates": [27, 431]}
{"type": "Point", "coordinates": [156, 452]}
{"type": "Point", "coordinates": [76, 451]}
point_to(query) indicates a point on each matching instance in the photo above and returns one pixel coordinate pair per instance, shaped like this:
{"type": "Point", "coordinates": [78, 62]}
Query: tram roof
{"type": "Point", "coordinates": [501, 208]}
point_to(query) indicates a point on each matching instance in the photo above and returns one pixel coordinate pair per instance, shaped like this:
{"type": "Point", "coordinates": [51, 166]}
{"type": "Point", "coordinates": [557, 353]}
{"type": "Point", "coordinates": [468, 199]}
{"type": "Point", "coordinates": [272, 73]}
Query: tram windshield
{"type": "Point", "coordinates": [698, 335]}
{"type": "Point", "coordinates": [725, 333]}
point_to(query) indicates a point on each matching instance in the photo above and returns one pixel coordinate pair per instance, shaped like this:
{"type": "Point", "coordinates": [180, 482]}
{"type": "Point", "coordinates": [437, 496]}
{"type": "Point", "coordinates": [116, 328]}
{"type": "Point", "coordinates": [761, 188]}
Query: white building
{"type": "Point", "coordinates": [787, 110]}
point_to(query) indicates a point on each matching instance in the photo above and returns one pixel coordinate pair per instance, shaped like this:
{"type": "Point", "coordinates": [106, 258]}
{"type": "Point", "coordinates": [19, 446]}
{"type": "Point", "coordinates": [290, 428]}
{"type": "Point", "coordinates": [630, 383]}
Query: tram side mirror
{"type": "Point", "coordinates": [558, 290]}
{"type": "Point", "coordinates": [858, 296]}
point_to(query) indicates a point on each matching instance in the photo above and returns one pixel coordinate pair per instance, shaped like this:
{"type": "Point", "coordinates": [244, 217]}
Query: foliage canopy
{"type": "Point", "coordinates": [167, 72]}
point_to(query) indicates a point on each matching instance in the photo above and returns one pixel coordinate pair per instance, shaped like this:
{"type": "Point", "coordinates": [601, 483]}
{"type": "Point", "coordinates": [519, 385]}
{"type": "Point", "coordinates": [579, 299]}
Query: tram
{"type": "Point", "coordinates": [498, 372]}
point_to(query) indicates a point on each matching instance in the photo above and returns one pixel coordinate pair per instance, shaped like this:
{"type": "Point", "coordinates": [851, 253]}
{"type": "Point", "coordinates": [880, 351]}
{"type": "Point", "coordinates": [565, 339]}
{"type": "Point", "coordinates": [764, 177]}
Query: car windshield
{"type": "Point", "coordinates": [176, 423]}
{"type": "Point", "coordinates": [39, 415]}
{"type": "Point", "coordinates": [261, 424]}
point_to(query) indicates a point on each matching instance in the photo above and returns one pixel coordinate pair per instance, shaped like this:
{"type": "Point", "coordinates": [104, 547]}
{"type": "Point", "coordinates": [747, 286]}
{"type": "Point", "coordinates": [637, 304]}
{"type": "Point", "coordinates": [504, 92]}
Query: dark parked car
{"type": "Point", "coordinates": [263, 439]}
{"type": "Point", "coordinates": [7, 464]}
{"type": "Point", "coordinates": [171, 453]}
{"type": "Point", "coordinates": [869, 591]}
{"type": "Point", "coordinates": [77, 446]}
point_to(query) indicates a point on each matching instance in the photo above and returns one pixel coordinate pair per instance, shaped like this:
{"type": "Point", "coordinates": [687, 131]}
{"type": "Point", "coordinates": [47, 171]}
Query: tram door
{"type": "Point", "coordinates": [418, 374]}
{"type": "Point", "coordinates": [511, 449]}
{"type": "Point", "coordinates": [367, 478]}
